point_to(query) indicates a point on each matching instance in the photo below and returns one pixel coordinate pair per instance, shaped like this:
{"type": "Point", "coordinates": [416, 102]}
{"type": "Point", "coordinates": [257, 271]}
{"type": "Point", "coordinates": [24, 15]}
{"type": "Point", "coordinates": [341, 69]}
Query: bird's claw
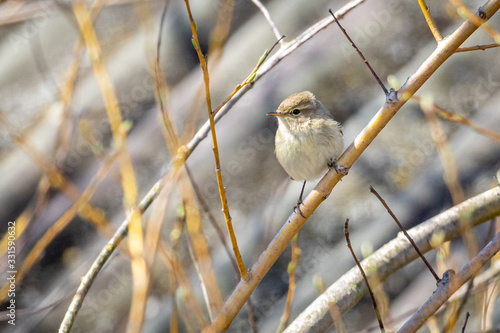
{"type": "Point", "coordinates": [298, 208]}
{"type": "Point", "coordinates": [339, 168]}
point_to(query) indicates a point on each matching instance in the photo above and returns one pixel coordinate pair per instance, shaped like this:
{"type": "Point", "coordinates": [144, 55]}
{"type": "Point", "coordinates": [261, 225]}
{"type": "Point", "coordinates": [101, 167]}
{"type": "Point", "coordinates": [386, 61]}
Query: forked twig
{"type": "Point", "coordinates": [437, 35]}
{"type": "Point", "coordinates": [374, 302]}
{"type": "Point", "coordinates": [386, 92]}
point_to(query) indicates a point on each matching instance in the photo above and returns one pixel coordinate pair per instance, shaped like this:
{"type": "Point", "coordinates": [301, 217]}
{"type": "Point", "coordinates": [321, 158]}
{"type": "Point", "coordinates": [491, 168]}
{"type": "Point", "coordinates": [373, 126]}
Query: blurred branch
{"type": "Point", "coordinates": [266, 14]}
{"type": "Point", "coordinates": [451, 176]}
{"type": "Point", "coordinates": [458, 118]}
{"type": "Point", "coordinates": [292, 267]}
{"type": "Point", "coordinates": [393, 103]}
{"type": "Point", "coordinates": [67, 188]}
{"type": "Point", "coordinates": [128, 181]}
{"type": "Point", "coordinates": [393, 256]}
{"type": "Point", "coordinates": [54, 177]}
{"type": "Point", "coordinates": [332, 306]}
{"type": "Point", "coordinates": [447, 288]}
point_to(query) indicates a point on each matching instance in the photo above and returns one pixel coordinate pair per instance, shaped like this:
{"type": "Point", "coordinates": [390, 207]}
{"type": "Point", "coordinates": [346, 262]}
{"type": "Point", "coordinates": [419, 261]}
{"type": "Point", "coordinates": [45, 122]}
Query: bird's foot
{"type": "Point", "coordinates": [339, 168]}
{"type": "Point", "coordinates": [297, 208]}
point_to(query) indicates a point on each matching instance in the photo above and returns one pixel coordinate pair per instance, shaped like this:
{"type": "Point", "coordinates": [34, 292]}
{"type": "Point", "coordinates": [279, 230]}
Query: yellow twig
{"type": "Point", "coordinates": [428, 18]}
{"type": "Point", "coordinates": [211, 115]}
{"type": "Point", "coordinates": [292, 267]}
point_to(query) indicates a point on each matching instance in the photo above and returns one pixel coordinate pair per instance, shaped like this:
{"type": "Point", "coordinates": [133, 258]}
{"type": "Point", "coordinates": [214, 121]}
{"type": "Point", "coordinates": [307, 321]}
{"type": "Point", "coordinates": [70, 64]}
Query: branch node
{"type": "Point", "coordinates": [392, 96]}
{"type": "Point", "coordinates": [482, 15]}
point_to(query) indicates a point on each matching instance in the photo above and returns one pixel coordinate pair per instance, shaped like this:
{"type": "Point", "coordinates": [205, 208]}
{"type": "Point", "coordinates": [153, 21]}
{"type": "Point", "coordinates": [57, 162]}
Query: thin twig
{"type": "Point", "coordinates": [374, 302]}
{"type": "Point", "coordinates": [274, 28]}
{"type": "Point", "coordinates": [477, 47]}
{"type": "Point", "coordinates": [465, 322]}
{"type": "Point", "coordinates": [405, 233]}
{"type": "Point", "coordinates": [196, 265]}
{"type": "Point", "coordinates": [451, 176]}
{"type": "Point", "coordinates": [211, 218]}
{"type": "Point", "coordinates": [478, 20]}
{"type": "Point", "coordinates": [386, 92]}
{"type": "Point", "coordinates": [428, 18]}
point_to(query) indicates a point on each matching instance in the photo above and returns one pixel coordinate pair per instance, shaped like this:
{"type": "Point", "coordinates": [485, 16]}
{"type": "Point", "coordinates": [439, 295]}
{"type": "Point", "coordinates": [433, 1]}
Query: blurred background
{"type": "Point", "coordinates": [52, 110]}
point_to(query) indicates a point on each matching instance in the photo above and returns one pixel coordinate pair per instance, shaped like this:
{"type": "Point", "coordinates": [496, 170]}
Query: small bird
{"type": "Point", "coordinates": [308, 141]}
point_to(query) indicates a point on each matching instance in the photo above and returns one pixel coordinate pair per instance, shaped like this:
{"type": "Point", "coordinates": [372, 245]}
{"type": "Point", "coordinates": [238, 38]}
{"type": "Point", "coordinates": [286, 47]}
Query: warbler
{"type": "Point", "coordinates": [308, 140]}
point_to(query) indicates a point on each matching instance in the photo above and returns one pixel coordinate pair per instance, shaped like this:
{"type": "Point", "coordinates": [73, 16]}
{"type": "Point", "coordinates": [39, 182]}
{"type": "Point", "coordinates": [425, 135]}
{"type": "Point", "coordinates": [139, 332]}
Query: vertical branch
{"type": "Point", "coordinates": [220, 184]}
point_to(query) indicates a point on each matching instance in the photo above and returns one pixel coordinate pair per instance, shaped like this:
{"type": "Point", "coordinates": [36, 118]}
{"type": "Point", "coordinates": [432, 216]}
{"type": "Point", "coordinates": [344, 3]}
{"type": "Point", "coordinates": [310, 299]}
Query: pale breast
{"type": "Point", "coordinates": [305, 155]}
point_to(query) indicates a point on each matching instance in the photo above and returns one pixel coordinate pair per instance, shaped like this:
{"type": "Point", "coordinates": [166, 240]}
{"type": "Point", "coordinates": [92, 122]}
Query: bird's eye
{"type": "Point", "coordinates": [296, 111]}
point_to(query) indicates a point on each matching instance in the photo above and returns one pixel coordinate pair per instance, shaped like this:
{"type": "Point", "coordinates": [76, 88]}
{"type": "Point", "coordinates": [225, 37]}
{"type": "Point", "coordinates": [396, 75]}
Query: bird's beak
{"type": "Point", "coordinates": [275, 113]}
